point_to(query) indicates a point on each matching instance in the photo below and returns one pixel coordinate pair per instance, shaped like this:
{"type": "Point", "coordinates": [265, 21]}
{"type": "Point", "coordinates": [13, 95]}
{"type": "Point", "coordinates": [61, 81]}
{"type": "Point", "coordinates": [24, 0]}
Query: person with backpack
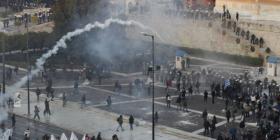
{"type": "Point", "coordinates": [120, 122]}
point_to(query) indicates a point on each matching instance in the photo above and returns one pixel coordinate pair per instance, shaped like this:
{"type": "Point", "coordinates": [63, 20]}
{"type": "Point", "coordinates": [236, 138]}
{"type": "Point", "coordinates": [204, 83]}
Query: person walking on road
{"type": "Point", "coordinates": [36, 112]}
{"type": "Point", "coordinates": [76, 87]}
{"type": "Point", "coordinates": [168, 101]}
{"type": "Point", "coordinates": [205, 96]}
{"type": "Point", "coordinates": [205, 114]}
{"type": "Point", "coordinates": [120, 122]}
{"type": "Point", "coordinates": [83, 101]}
{"type": "Point", "coordinates": [206, 127]}
{"type": "Point", "coordinates": [13, 118]}
{"type": "Point", "coordinates": [64, 100]}
{"type": "Point", "coordinates": [47, 108]}
{"type": "Point", "coordinates": [109, 101]}
{"type": "Point", "coordinates": [38, 93]}
{"type": "Point", "coordinates": [213, 93]}
{"type": "Point", "coordinates": [156, 117]}
{"type": "Point", "coordinates": [131, 122]}
{"type": "Point", "coordinates": [228, 115]}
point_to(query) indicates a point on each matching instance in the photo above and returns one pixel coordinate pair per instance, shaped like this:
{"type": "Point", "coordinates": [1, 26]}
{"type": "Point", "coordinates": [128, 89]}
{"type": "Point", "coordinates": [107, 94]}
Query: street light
{"type": "Point", "coordinates": [153, 80]}
{"type": "Point", "coordinates": [3, 61]}
{"type": "Point", "coordinates": [28, 65]}
{"type": "Point", "coordinates": [3, 52]}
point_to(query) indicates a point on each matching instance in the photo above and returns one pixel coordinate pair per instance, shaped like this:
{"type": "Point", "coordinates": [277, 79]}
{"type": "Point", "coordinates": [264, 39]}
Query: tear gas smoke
{"type": "Point", "coordinates": [62, 44]}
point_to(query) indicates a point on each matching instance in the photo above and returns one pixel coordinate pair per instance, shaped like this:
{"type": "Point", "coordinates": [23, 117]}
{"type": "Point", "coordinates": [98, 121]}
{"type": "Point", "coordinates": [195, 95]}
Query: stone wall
{"type": "Point", "coordinates": [270, 33]}
{"type": "Point", "coordinates": [182, 32]}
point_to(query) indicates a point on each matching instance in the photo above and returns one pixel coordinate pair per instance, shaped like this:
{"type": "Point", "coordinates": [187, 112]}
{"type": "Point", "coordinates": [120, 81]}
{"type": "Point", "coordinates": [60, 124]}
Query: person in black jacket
{"type": "Point", "coordinates": [131, 122]}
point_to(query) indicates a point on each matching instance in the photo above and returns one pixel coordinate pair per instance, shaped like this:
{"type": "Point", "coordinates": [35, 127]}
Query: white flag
{"type": "Point", "coordinates": [73, 136]}
{"type": "Point", "coordinates": [6, 134]}
{"type": "Point", "coordinates": [53, 137]}
{"type": "Point", "coordinates": [63, 137]}
{"type": "Point", "coordinates": [84, 137]}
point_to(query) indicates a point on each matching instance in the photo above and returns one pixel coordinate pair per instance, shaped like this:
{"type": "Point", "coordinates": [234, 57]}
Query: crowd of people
{"type": "Point", "coordinates": [255, 100]}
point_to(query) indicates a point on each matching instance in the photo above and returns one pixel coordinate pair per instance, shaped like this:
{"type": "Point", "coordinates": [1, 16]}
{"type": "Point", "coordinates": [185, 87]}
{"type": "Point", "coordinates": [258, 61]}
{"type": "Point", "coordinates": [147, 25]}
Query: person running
{"type": "Point", "coordinates": [36, 112]}
{"type": "Point", "coordinates": [131, 122]}
{"type": "Point", "coordinates": [120, 122]}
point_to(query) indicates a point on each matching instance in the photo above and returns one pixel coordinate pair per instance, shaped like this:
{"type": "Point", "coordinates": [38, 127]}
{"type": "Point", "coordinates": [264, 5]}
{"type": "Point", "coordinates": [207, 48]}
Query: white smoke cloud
{"type": "Point", "coordinates": [61, 44]}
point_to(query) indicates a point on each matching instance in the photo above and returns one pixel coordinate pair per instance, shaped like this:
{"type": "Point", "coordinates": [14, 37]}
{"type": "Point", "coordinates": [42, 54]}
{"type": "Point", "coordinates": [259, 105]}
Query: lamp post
{"type": "Point", "coordinates": [153, 80]}
{"type": "Point", "coordinates": [28, 66]}
{"type": "Point", "coordinates": [3, 61]}
{"type": "Point", "coordinates": [3, 53]}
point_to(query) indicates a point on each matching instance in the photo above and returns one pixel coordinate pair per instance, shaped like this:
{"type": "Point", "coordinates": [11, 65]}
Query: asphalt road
{"type": "Point", "coordinates": [37, 129]}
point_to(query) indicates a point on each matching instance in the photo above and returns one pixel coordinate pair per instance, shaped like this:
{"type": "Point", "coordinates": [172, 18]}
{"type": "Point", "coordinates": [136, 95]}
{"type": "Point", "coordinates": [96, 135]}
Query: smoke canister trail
{"type": "Point", "coordinates": [62, 44]}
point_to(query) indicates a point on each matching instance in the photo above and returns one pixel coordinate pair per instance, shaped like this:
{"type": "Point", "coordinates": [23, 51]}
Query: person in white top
{"type": "Point", "coordinates": [27, 133]}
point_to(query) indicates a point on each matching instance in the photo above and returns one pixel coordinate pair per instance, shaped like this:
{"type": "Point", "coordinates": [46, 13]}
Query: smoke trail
{"type": "Point", "coordinates": [62, 44]}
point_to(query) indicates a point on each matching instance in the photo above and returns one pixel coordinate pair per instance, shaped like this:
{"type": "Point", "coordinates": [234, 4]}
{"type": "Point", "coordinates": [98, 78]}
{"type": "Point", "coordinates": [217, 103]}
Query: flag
{"type": "Point", "coordinates": [84, 137]}
{"type": "Point", "coordinates": [227, 83]}
{"type": "Point", "coordinates": [73, 136]}
{"type": "Point", "coordinates": [63, 137]}
{"type": "Point", "coordinates": [53, 137]}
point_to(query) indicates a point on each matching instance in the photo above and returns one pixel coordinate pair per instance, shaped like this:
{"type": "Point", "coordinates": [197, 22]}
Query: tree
{"type": "Point", "coordinates": [64, 12]}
